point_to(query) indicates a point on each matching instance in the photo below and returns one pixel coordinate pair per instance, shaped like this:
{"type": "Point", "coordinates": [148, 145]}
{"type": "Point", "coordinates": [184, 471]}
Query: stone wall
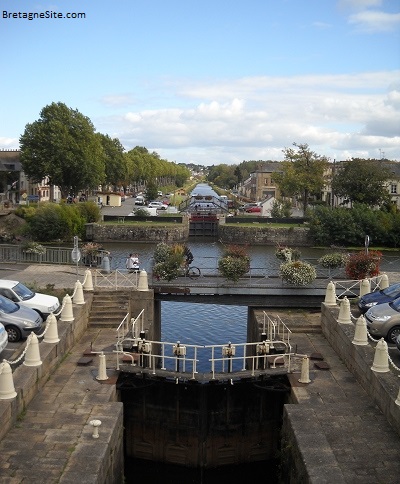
{"type": "Point", "coordinates": [291, 236]}
{"type": "Point", "coordinates": [383, 388]}
{"type": "Point", "coordinates": [138, 233]}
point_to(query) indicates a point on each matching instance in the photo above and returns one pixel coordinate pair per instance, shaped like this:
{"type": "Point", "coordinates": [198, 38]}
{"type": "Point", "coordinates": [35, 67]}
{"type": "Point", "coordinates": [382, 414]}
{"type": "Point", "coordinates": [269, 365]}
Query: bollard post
{"type": "Point", "coordinates": [330, 294]}
{"type": "Point", "coordinates": [7, 389]}
{"type": "Point", "coordinates": [95, 424]}
{"type": "Point", "coordinates": [365, 287]}
{"type": "Point", "coordinates": [344, 312]}
{"type": "Point", "coordinates": [384, 281]}
{"type": "Point", "coordinates": [142, 283]}
{"type": "Point", "coordinates": [51, 335]}
{"type": "Point", "coordinates": [66, 313]}
{"type": "Point", "coordinates": [102, 375]}
{"type": "Point", "coordinates": [78, 298]}
{"type": "Point", "coordinates": [397, 401]}
{"type": "Point", "coordinates": [305, 371]}
{"type": "Point", "coordinates": [381, 358]}
{"type": "Point", "coordinates": [88, 283]}
{"type": "Point", "coordinates": [105, 265]}
{"type": "Point", "coordinates": [32, 355]}
{"type": "Point", "coordinates": [361, 334]}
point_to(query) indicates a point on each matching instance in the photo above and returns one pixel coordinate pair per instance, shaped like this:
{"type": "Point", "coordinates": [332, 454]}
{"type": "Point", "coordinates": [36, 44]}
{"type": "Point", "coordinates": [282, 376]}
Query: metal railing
{"type": "Point", "coordinates": [52, 255]}
{"type": "Point", "coordinates": [220, 359]}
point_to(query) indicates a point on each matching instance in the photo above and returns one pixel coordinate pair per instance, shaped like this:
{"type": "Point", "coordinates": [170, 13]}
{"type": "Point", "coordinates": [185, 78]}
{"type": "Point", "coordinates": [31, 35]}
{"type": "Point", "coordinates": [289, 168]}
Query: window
{"type": "Point", "coordinates": [393, 188]}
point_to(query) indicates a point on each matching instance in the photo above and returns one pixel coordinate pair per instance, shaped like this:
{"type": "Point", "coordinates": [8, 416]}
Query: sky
{"type": "Point", "coordinates": [210, 81]}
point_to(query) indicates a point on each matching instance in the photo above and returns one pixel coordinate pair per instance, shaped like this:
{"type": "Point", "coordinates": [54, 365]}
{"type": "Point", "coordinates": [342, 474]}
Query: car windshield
{"type": "Point", "coordinates": [23, 292]}
{"type": "Point", "coordinates": [392, 291]}
{"type": "Point", "coordinates": [395, 304]}
{"type": "Point", "coordinates": [7, 306]}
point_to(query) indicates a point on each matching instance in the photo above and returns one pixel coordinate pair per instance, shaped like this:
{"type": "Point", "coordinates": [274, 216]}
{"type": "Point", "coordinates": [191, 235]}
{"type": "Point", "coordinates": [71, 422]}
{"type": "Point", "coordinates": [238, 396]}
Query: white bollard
{"type": "Point", "coordinates": [95, 424]}
{"type": "Point", "coordinates": [7, 389]}
{"type": "Point", "coordinates": [105, 265]}
{"type": "Point", "coordinates": [32, 355]}
{"type": "Point", "coordinates": [344, 312]}
{"type": "Point", "coordinates": [384, 281]}
{"type": "Point", "coordinates": [88, 283]}
{"type": "Point", "coordinates": [305, 371]}
{"type": "Point", "coordinates": [78, 298]}
{"type": "Point", "coordinates": [381, 358]}
{"type": "Point", "coordinates": [397, 401]}
{"type": "Point", "coordinates": [142, 283]}
{"type": "Point", "coordinates": [102, 367]}
{"type": "Point", "coordinates": [365, 287]}
{"type": "Point", "coordinates": [330, 295]}
{"type": "Point", "coordinates": [51, 334]}
{"type": "Point", "coordinates": [66, 313]}
{"type": "Point", "coordinates": [361, 333]}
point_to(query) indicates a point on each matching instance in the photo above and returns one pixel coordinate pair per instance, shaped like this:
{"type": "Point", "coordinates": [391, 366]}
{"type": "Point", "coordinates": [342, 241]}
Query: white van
{"type": "Point", "coordinates": [139, 200]}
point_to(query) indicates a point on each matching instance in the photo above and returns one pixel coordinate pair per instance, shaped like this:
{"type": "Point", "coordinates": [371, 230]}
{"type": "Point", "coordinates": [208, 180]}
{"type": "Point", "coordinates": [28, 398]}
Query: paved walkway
{"type": "Point", "coordinates": [36, 450]}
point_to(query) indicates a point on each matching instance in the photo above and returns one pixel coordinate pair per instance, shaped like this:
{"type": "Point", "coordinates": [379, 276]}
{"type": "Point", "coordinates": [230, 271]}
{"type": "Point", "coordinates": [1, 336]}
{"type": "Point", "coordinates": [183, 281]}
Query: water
{"type": "Point", "coordinates": [207, 324]}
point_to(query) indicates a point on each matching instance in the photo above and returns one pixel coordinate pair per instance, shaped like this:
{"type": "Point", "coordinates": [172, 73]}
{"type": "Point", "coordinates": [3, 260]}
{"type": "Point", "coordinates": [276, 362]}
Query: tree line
{"type": "Point", "coordinates": [303, 174]}
{"type": "Point", "coordinates": [64, 147]}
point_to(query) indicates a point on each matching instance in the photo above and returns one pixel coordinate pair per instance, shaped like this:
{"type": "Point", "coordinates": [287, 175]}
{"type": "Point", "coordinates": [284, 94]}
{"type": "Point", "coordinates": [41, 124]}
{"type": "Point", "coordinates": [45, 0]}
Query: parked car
{"type": "Point", "coordinates": [379, 297]}
{"type": "Point", "coordinates": [3, 337]}
{"type": "Point", "coordinates": [19, 321]}
{"type": "Point", "coordinates": [139, 200]}
{"type": "Point", "coordinates": [19, 293]}
{"type": "Point", "coordinates": [253, 210]}
{"type": "Point", "coordinates": [383, 320]}
{"type": "Point", "coordinates": [398, 342]}
{"type": "Point", "coordinates": [158, 205]}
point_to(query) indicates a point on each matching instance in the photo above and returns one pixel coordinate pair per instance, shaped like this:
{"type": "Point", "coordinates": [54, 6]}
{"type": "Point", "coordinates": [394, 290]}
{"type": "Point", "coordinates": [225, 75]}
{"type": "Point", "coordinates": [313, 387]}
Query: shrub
{"type": "Point", "coordinates": [334, 260]}
{"type": "Point", "coordinates": [235, 262]}
{"type": "Point", "coordinates": [287, 254]}
{"type": "Point", "coordinates": [34, 248]}
{"type": "Point", "coordinates": [361, 265]}
{"type": "Point", "coordinates": [298, 273]}
{"type": "Point", "coordinates": [169, 260]}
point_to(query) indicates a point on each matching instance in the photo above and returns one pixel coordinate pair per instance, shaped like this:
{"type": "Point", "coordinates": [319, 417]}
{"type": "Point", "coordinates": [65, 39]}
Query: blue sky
{"type": "Point", "coordinates": [211, 81]}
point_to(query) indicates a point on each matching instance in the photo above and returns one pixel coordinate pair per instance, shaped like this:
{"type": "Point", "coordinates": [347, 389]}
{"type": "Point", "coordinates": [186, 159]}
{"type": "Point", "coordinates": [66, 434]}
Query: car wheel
{"type": "Point", "coordinates": [393, 333]}
{"type": "Point", "coordinates": [14, 334]}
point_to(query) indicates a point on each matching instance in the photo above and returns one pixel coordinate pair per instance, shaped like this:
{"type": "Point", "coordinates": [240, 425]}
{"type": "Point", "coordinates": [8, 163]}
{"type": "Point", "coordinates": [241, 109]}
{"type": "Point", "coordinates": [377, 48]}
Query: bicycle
{"type": "Point", "coordinates": [191, 271]}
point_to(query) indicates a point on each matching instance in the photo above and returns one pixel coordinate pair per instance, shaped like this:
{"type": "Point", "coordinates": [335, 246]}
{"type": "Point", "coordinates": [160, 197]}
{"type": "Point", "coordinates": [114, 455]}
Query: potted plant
{"type": "Point", "coordinates": [287, 254]}
{"type": "Point", "coordinates": [235, 263]}
{"type": "Point", "coordinates": [361, 264]}
{"type": "Point", "coordinates": [169, 260]}
{"type": "Point", "coordinates": [298, 273]}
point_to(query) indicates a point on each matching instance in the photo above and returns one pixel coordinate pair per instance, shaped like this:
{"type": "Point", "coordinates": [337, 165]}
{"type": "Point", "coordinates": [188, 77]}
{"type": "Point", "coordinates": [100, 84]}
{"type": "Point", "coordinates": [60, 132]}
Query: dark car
{"type": "Point", "coordinates": [379, 297]}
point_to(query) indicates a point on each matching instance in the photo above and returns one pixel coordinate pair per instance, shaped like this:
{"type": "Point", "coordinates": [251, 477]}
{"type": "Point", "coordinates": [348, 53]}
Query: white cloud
{"type": "Point", "coordinates": [255, 118]}
{"type": "Point", "coordinates": [374, 21]}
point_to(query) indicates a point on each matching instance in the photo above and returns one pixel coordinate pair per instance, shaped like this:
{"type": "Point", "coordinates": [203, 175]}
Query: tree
{"type": "Point", "coordinates": [62, 146]}
{"type": "Point", "coordinates": [303, 173]}
{"type": "Point", "coordinates": [362, 181]}
{"type": "Point", "coordinates": [115, 166]}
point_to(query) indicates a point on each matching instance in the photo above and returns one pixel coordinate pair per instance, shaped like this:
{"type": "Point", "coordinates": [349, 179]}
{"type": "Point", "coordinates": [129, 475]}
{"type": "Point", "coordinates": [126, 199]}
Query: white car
{"type": "Point", "coordinates": [19, 293]}
{"type": "Point", "coordinates": [158, 205]}
{"type": "Point", "coordinates": [3, 337]}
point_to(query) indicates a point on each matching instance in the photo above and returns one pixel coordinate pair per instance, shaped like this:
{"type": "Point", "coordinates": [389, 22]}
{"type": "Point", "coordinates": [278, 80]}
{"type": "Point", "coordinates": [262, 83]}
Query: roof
{"type": "Point", "coordinates": [10, 160]}
{"type": "Point", "coordinates": [7, 283]}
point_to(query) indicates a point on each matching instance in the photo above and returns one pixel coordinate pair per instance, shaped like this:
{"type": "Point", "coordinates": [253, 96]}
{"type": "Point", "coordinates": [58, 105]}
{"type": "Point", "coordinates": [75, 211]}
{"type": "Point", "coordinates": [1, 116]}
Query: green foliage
{"type": "Point", "coordinates": [55, 222]}
{"type": "Point", "coordinates": [34, 248]}
{"type": "Point", "coordinates": [302, 174]}
{"type": "Point", "coordinates": [281, 209]}
{"type": "Point", "coordinates": [343, 226]}
{"type": "Point", "coordinates": [115, 166]}
{"type": "Point", "coordinates": [362, 181]}
{"type": "Point", "coordinates": [151, 190]}
{"type": "Point", "coordinates": [235, 263]}
{"type": "Point", "coordinates": [62, 146]}
{"type": "Point", "coordinates": [169, 261]}
{"type": "Point", "coordinates": [361, 265]}
{"type": "Point", "coordinates": [90, 211]}
{"type": "Point", "coordinates": [298, 273]}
